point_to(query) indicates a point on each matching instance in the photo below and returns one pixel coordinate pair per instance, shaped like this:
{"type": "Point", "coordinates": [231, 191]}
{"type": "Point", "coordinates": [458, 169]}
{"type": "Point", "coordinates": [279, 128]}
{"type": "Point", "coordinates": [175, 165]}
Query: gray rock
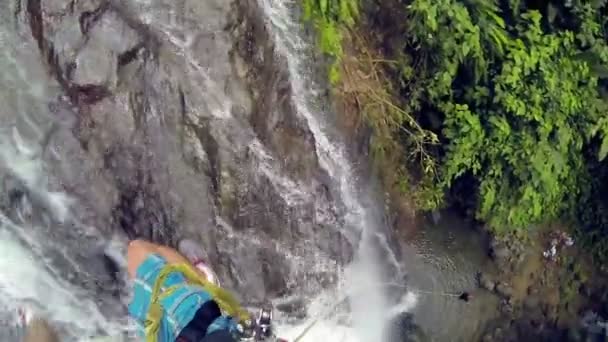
{"type": "Point", "coordinates": [506, 308]}
{"type": "Point", "coordinates": [95, 65]}
{"type": "Point", "coordinates": [486, 282]}
{"type": "Point", "coordinates": [531, 302]}
{"type": "Point", "coordinates": [504, 290]}
{"type": "Point", "coordinates": [84, 5]}
{"type": "Point", "coordinates": [55, 7]}
{"type": "Point", "coordinates": [68, 39]}
{"type": "Point", "coordinates": [533, 291]}
{"type": "Point", "coordinates": [500, 252]}
{"type": "Point", "coordinates": [520, 258]}
{"type": "Point", "coordinates": [436, 216]}
{"type": "Point", "coordinates": [113, 33]}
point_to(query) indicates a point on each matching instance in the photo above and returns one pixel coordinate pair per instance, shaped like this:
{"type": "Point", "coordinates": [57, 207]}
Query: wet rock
{"type": "Point", "coordinates": [533, 291]}
{"type": "Point", "coordinates": [403, 328]}
{"type": "Point", "coordinates": [486, 282]}
{"type": "Point", "coordinates": [115, 34]}
{"type": "Point", "coordinates": [181, 142]}
{"type": "Point", "coordinates": [274, 117]}
{"type": "Point", "coordinates": [295, 307]}
{"type": "Point", "coordinates": [110, 42]}
{"type": "Point", "coordinates": [504, 290]}
{"type": "Point", "coordinates": [531, 302]}
{"type": "Point", "coordinates": [68, 40]}
{"type": "Point", "coordinates": [95, 65]}
{"type": "Point", "coordinates": [436, 216]}
{"type": "Point", "coordinates": [56, 7]}
{"type": "Point", "coordinates": [84, 6]}
{"type": "Point", "coordinates": [506, 308]}
{"type": "Point", "coordinates": [498, 334]}
{"type": "Point", "coordinates": [500, 252]}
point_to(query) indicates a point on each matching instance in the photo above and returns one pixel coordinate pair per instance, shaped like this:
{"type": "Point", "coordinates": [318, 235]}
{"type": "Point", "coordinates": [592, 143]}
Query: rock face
{"type": "Point", "coordinates": [177, 120]}
{"type": "Point", "coordinates": [402, 328]}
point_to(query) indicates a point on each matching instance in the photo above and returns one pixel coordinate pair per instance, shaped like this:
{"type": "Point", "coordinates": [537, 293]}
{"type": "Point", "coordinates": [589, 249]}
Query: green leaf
{"type": "Point", "coordinates": [323, 6]}
{"type": "Point", "coordinates": [603, 149]}
{"type": "Point", "coordinates": [308, 9]}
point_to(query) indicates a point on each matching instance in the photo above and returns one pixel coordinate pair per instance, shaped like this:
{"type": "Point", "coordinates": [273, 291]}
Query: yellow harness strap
{"type": "Point", "coordinates": [227, 303]}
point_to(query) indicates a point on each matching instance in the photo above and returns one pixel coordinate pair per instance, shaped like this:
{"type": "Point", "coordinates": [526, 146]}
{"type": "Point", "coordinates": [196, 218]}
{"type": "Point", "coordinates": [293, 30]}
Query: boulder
{"type": "Point", "coordinates": [504, 290]}
{"type": "Point", "coordinates": [531, 303]}
{"type": "Point", "coordinates": [500, 252]}
{"type": "Point", "coordinates": [486, 282]}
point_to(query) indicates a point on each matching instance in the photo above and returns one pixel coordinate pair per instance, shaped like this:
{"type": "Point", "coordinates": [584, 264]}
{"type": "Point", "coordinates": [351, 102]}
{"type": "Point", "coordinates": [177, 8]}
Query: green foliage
{"type": "Point", "coordinates": [515, 92]}
{"type": "Point", "coordinates": [330, 17]}
{"type": "Point", "coordinates": [518, 102]}
{"type": "Point", "coordinates": [572, 277]}
{"type": "Point", "coordinates": [590, 216]}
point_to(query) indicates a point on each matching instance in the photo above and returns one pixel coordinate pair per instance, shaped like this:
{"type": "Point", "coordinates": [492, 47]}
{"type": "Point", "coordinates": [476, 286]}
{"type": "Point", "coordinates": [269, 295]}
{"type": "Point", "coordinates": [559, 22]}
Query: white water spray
{"type": "Point", "coordinates": [360, 281]}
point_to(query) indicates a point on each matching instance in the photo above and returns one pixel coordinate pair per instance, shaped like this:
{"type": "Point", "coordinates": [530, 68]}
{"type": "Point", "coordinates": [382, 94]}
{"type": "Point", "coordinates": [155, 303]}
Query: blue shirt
{"type": "Point", "coordinates": [178, 308]}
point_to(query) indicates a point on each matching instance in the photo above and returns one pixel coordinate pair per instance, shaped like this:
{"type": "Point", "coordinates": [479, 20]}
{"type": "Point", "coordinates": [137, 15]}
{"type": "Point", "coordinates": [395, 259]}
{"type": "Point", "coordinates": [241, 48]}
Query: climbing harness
{"type": "Point", "coordinates": [227, 303]}
{"type": "Point", "coordinates": [260, 329]}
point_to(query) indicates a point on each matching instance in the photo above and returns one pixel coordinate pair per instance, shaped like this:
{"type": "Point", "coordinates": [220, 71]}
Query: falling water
{"type": "Point", "coordinates": [361, 280]}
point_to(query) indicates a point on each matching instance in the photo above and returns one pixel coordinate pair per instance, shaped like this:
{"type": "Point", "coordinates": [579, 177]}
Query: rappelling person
{"type": "Point", "coordinates": [176, 299]}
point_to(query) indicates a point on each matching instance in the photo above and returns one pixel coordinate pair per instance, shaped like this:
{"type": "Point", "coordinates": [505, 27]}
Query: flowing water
{"type": "Point", "coordinates": [175, 144]}
{"type": "Point", "coordinates": [42, 245]}
{"type": "Point", "coordinates": [445, 260]}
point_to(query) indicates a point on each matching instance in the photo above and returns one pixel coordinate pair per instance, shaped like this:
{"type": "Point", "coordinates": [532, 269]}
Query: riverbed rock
{"type": "Point", "coordinates": [486, 282]}
{"type": "Point", "coordinates": [499, 251]}
{"type": "Point", "coordinates": [531, 302]}
{"type": "Point", "coordinates": [504, 290]}
{"type": "Point", "coordinates": [506, 307]}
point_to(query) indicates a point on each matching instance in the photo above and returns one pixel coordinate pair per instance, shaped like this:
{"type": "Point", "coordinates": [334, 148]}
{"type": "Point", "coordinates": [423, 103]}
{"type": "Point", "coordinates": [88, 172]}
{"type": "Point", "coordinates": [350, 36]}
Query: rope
{"type": "Point", "coordinates": [344, 298]}
{"type": "Point", "coordinates": [227, 303]}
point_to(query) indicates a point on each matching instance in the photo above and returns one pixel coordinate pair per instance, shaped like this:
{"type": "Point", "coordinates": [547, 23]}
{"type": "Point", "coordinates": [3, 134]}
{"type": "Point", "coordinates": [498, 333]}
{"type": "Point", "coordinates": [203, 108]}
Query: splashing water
{"type": "Point", "coordinates": [26, 276]}
{"type": "Point", "coordinates": [360, 283]}
{"type": "Point", "coordinates": [29, 210]}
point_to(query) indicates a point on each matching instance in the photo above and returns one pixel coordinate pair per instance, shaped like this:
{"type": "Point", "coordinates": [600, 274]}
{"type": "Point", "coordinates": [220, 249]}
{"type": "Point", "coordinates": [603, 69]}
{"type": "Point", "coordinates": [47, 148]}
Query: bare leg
{"type": "Point", "coordinates": [139, 250]}
{"type": "Point", "coordinates": [38, 330]}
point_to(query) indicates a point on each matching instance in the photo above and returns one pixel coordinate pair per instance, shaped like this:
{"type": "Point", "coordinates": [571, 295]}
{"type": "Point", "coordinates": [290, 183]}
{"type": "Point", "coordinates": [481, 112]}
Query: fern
{"type": "Point", "coordinates": [330, 18]}
{"type": "Point", "coordinates": [518, 105]}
